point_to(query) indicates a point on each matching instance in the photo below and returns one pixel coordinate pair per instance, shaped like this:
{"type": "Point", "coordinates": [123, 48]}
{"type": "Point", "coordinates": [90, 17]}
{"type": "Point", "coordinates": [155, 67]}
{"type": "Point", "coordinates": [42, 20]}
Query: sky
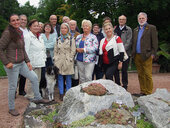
{"type": "Point", "coordinates": [32, 2]}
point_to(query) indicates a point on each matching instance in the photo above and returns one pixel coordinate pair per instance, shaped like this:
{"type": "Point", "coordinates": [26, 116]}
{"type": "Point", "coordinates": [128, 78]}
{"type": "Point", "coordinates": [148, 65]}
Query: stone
{"type": "Point", "coordinates": [78, 104]}
{"type": "Point", "coordinates": [157, 108]}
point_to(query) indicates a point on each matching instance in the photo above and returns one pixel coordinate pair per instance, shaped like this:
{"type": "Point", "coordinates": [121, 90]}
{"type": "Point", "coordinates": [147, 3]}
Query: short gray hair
{"type": "Point", "coordinates": [142, 13]}
{"type": "Point", "coordinates": [73, 21]}
{"type": "Point", "coordinates": [66, 26]}
{"type": "Point", "coordinates": [22, 15]}
{"type": "Point", "coordinates": [86, 21]}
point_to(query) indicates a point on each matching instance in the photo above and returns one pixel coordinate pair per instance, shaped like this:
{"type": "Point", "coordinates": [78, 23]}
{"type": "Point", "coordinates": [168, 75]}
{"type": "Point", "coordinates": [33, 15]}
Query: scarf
{"type": "Point", "coordinates": [63, 37]}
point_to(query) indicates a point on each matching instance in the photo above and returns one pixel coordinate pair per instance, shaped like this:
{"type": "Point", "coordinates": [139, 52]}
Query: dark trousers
{"type": "Point", "coordinates": [74, 82]}
{"type": "Point", "coordinates": [22, 81]}
{"type": "Point", "coordinates": [43, 79]}
{"type": "Point", "coordinates": [124, 74]}
{"type": "Point", "coordinates": [98, 72]}
{"type": "Point", "coordinates": [110, 69]}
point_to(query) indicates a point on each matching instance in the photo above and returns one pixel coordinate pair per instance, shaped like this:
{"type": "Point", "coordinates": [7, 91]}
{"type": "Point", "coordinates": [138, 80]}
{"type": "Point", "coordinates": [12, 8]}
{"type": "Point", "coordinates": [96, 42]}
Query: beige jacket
{"type": "Point", "coordinates": [64, 56]}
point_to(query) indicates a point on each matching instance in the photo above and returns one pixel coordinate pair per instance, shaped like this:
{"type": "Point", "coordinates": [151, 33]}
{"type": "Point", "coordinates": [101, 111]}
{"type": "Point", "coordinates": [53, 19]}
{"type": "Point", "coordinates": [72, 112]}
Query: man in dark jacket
{"type": "Point", "coordinates": [145, 44]}
{"type": "Point", "coordinates": [97, 70]}
{"type": "Point", "coordinates": [125, 33]}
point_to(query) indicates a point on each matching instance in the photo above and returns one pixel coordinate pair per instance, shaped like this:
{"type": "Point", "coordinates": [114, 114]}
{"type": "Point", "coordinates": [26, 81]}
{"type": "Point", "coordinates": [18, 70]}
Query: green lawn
{"type": "Point", "coordinates": [2, 71]}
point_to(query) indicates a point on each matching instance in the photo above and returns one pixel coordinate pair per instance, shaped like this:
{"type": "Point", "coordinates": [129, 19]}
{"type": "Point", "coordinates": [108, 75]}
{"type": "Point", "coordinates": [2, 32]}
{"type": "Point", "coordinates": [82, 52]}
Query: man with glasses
{"type": "Point", "coordinates": [145, 44]}
{"type": "Point", "coordinates": [125, 32]}
{"type": "Point", "coordinates": [56, 27]}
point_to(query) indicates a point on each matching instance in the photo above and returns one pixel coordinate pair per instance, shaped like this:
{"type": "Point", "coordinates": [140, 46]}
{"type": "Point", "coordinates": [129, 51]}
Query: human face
{"type": "Point", "coordinates": [14, 21]}
{"type": "Point", "coordinates": [34, 28]}
{"type": "Point", "coordinates": [64, 29]}
{"type": "Point", "coordinates": [23, 20]}
{"type": "Point", "coordinates": [47, 28]}
{"type": "Point", "coordinates": [142, 20]}
{"type": "Point", "coordinates": [96, 29]}
{"type": "Point", "coordinates": [108, 30]}
{"type": "Point", "coordinates": [122, 20]}
{"type": "Point", "coordinates": [72, 26]}
{"type": "Point", "coordinates": [66, 20]}
{"type": "Point", "coordinates": [53, 20]}
{"type": "Point", "coordinates": [86, 28]}
{"type": "Point", "coordinates": [40, 27]}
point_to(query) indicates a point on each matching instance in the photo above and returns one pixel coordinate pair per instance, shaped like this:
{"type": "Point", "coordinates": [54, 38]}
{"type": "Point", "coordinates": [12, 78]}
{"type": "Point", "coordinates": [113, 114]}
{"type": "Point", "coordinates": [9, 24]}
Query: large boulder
{"type": "Point", "coordinates": [157, 108]}
{"type": "Point", "coordinates": [78, 104]}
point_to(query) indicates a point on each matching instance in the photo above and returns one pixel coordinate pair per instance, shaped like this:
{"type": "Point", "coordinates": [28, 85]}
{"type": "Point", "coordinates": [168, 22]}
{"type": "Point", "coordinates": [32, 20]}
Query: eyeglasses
{"type": "Point", "coordinates": [122, 19]}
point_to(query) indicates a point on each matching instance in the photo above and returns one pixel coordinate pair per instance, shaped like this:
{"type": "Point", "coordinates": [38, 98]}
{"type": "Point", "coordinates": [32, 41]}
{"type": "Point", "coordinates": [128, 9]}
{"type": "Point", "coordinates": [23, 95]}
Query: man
{"type": "Point", "coordinates": [97, 70]}
{"type": "Point", "coordinates": [23, 28]}
{"type": "Point", "coordinates": [56, 27]}
{"type": "Point", "coordinates": [145, 44]}
{"type": "Point", "coordinates": [73, 33]}
{"type": "Point", "coordinates": [125, 32]}
{"type": "Point", "coordinates": [66, 19]}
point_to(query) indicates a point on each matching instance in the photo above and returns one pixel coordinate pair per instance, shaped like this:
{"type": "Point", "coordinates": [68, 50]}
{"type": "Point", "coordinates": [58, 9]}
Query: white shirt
{"type": "Point", "coordinates": [24, 30]}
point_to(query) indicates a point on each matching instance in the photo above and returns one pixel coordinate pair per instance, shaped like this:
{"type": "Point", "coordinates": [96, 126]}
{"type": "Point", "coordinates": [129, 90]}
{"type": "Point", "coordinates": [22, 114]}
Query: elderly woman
{"type": "Point", "coordinates": [36, 51]}
{"type": "Point", "coordinates": [111, 51]}
{"type": "Point", "coordinates": [87, 46]}
{"type": "Point", "coordinates": [64, 52]}
{"type": "Point", "coordinates": [16, 61]}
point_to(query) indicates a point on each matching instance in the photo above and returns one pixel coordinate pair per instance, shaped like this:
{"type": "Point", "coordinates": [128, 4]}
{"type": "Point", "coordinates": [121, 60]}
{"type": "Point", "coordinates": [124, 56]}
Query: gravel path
{"type": "Point", "coordinates": [161, 80]}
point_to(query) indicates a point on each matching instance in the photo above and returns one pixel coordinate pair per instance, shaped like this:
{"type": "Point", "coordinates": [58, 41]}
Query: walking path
{"type": "Point", "coordinates": [161, 80]}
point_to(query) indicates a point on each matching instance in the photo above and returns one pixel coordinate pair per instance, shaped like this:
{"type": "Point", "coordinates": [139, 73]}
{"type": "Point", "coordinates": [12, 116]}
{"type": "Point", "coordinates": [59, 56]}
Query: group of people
{"type": "Point", "coordinates": [27, 53]}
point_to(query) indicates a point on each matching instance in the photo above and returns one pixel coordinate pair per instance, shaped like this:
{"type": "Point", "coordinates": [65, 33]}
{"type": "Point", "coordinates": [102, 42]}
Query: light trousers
{"type": "Point", "coordinates": [144, 69]}
{"type": "Point", "coordinates": [20, 68]}
{"type": "Point", "coordinates": [85, 71]}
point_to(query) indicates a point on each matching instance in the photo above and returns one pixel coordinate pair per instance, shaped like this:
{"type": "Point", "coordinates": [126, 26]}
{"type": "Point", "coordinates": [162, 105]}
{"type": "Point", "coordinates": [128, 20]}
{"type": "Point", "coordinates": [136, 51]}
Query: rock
{"type": "Point", "coordinates": [110, 126]}
{"type": "Point", "coordinates": [157, 108]}
{"type": "Point", "coordinates": [77, 104]}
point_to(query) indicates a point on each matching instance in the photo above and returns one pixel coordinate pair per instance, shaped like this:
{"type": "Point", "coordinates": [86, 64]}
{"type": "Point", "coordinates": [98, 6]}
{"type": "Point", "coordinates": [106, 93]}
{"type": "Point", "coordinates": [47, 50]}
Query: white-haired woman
{"type": "Point", "coordinates": [64, 52]}
{"type": "Point", "coordinates": [86, 47]}
{"type": "Point", "coordinates": [111, 51]}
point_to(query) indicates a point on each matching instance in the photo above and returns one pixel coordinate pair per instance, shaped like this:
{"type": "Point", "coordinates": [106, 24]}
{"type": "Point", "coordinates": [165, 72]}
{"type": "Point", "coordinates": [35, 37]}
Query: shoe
{"type": "Point", "coordinates": [61, 97]}
{"type": "Point", "coordinates": [22, 93]}
{"type": "Point", "coordinates": [42, 101]}
{"type": "Point", "coordinates": [138, 95]}
{"type": "Point", "coordinates": [14, 112]}
{"type": "Point", "coordinates": [125, 87]}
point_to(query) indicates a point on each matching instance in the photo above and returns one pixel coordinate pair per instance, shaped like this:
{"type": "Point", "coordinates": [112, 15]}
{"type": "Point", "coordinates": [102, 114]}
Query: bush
{"type": "Point", "coordinates": [2, 71]}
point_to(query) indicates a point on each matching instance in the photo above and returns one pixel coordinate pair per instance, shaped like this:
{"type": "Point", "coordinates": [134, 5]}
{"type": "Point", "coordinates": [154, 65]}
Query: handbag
{"type": "Point", "coordinates": [125, 56]}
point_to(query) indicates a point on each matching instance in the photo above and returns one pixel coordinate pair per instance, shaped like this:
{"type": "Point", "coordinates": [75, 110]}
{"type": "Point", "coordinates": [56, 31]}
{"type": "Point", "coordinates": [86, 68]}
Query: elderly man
{"type": "Point", "coordinates": [73, 33]}
{"type": "Point", "coordinates": [23, 28]}
{"type": "Point", "coordinates": [56, 27]}
{"type": "Point", "coordinates": [125, 32]}
{"type": "Point", "coordinates": [145, 44]}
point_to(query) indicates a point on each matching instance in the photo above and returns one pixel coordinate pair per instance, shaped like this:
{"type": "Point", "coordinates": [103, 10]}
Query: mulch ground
{"type": "Point", "coordinates": [160, 80]}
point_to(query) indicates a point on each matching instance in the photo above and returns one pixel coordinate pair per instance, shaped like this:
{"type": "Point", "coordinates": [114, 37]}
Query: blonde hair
{"type": "Point", "coordinates": [86, 21]}
{"type": "Point", "coordinates": [107, 24]}
{"type": "Point", "coordinates": [66, 26]}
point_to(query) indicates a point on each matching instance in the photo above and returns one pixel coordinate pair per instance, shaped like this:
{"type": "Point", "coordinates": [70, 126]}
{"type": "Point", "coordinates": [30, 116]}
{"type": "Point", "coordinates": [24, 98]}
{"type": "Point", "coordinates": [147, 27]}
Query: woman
{"type": "Point", "coordinates": [16, 61]}
{"type": "Point", "coordinates": [36, 51]}
{"type": "Point", "coordinates": [64, 52]}
{"type": "Point", "coordinates": [111, 51]}
{"type": "Point", "coordinates": [49, 39]}
{"type": "Point", "coordinates": [86, 47]}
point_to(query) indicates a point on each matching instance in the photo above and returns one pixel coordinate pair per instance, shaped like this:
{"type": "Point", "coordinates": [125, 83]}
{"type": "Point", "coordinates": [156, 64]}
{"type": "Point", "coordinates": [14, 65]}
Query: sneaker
{"type": "Point", "coordinates": [22, 93]}
{"type": "Point", "coordinates": [14, 112]}
{"type": "Point", "coordinates": [61, 97]}
{"type": "Point", "coordinates": [42, 101]}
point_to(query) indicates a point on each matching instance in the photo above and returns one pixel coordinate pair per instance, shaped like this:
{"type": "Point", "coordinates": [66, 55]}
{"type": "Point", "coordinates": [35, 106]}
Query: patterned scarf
{"type": "Point", "coordinates": [63, 37]}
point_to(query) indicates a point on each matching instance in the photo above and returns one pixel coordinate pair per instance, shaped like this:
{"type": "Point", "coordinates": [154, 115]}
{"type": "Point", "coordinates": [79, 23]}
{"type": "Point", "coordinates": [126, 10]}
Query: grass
{"type": "Point", "coordinates": [2, 71]}
{"type": "Point", "coordinates": [50, 116]}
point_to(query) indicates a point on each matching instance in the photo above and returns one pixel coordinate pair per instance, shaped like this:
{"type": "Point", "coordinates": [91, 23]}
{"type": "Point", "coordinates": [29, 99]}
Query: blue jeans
{"type": "Point", "coordinates": [61, 84]}
{"type": "Point", "coordinates": [20, 68]}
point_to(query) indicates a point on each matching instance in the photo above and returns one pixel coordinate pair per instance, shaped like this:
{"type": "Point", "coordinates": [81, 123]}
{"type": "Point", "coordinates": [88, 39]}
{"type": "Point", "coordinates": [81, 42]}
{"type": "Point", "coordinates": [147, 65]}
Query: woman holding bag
{"type": "Point", "coordinates": [111, 52]}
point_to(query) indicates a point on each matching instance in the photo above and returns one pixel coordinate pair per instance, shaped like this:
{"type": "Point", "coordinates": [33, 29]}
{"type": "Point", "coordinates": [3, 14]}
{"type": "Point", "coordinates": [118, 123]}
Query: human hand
{"type": "Point", "coordinates": [29, 66]}
{"type": "Point", "coordinates": [9, 65]}
{"type": "Point", "coordinates": [120, 65]}
{"type": "Point", "coordinates": [80, 50]}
